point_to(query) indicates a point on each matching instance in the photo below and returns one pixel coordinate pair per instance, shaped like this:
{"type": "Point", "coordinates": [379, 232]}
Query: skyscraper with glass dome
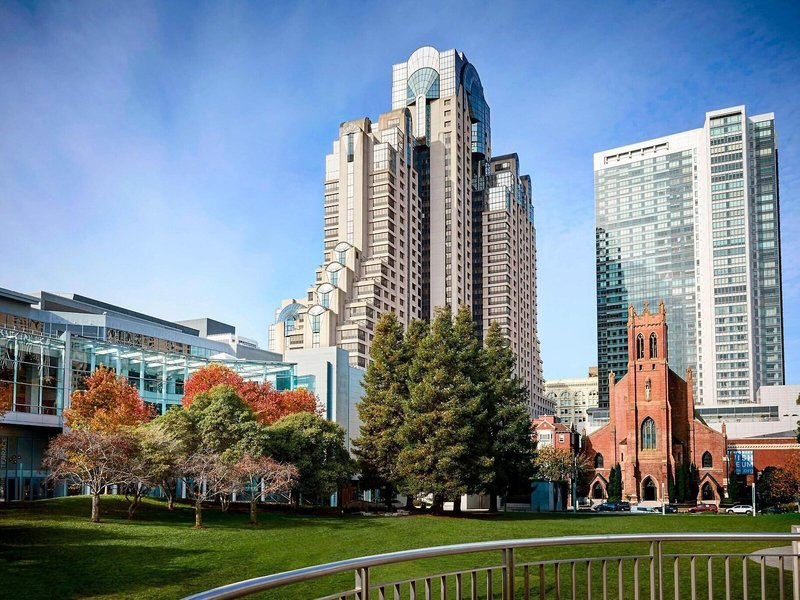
{"type": "Point", "coordinates": [419, 215]}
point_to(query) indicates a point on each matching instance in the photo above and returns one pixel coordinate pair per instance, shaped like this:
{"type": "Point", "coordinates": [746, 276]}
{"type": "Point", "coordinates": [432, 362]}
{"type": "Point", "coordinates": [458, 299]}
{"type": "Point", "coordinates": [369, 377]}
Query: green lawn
{"type": "Point", "coordinates": [49, 549]}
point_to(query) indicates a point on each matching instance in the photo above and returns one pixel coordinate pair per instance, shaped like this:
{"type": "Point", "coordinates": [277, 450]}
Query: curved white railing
{"type": "Point", "coordinates": [534, 579]}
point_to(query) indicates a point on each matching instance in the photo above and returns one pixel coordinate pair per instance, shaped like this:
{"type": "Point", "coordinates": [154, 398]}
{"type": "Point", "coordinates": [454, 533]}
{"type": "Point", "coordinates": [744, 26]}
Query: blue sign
{"type": "Point", "coordinates": [743, 460]}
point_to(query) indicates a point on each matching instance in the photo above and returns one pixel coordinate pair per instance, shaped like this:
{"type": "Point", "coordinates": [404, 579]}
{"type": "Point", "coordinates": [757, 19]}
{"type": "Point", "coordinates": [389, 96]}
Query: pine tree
{"type": "Point", "coordinates": [614, 485]}
{"type": "Point", "coordinates": [692, 483]}
{"type": "Point", "coordinates": [437, 431]}
{"type": "Point", "coordinates": [477, 468]}
{"type": "Point", "coordinates": [382, 407]}
{"type": "Point", "coordinates": [671, 488]}
{"type": "Point", "coordinates": [508, 427]}
{"type": "Point", "coordinates": [734, 487]}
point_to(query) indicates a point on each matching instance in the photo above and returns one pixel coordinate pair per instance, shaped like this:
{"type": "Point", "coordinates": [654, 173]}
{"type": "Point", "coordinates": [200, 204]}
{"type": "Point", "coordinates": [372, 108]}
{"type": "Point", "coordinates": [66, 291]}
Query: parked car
{"type": "Point", "coordinates": [773, 510]}
{"type": "Point", "coordinates": [670, 509]}
{"type": "Point", "coordinates": [643, 510]}
{"type": "Point", "coordinates": [613, 507]}
{"type": "Point", "coordinates": [704, 508]}
{"type": "Point", "coordinates": [740, 509]}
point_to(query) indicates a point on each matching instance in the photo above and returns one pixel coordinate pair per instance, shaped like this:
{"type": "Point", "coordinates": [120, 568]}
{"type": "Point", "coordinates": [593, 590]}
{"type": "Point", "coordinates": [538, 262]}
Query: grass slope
{"type": "Point", "coordinates": [50, 549]}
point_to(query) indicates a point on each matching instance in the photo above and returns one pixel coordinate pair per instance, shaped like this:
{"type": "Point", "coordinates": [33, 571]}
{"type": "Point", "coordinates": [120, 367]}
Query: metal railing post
{"type": "Point", "coordinates": [362, 583]}
{"type": "Point", "coordinates": [652, 571]}
{"type": "Point", "coordinates": [508, 574]}
{"type": "Point", "coordinates": [795, 565]}
{"type": "Point", "coordinates": [660, 550]}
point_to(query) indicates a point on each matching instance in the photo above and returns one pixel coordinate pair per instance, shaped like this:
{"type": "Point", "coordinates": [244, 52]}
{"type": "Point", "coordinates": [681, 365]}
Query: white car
{"type": "Point", "coordinates": [740, 509]}
{"type": "Point", "coordinates": [643, 510]}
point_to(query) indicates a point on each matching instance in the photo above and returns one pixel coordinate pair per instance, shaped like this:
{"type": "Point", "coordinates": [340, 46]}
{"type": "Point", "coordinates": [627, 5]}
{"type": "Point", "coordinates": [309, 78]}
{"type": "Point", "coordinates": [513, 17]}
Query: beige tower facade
{"type": "Point", "coordinates": [505, 262]}
{"type": "Point", "coordinates": [371, 243]}
{"type": "Point", "coordinates": [418, 215]}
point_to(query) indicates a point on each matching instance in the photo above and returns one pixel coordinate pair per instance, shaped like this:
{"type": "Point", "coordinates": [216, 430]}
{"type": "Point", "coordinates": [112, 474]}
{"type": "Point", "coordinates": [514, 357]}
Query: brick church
{"type": "Point", "coordinates": [652, 427]}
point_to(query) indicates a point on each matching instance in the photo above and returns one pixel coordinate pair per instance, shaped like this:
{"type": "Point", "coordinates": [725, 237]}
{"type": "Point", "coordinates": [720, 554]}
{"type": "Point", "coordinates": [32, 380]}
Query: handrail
{"type": "Point", "coordinates": [267, 582]}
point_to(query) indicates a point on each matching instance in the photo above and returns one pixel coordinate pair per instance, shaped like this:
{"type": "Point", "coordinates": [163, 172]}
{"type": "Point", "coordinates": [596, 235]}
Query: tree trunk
{"type": "Point", "coordinates": [492, 499]}
{"type": "Point", "coordinates": [409, 501]}
{"type": "Point", "coordinates": [225, 503]}
{"type": "Point", "coordinates": [95, 507]}
{"type": "Point", "coordinates": [133, 505]}
{"type": "Point", "coordinates": [170, 502]}
{"type": "Point", "coordinates": [254, 510]}
{"type": "Point", "coordinates": [457, 504]}
{"type": "Point", "coordinates": [198, 514]}
{"type": "Point", "coordinates": [389, 491]}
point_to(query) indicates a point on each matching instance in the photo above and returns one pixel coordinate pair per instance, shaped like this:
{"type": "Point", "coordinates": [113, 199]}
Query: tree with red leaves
{"type": "Point", "coordinates": [209, 376]}
{"type": "Point", "coordinates": [271, 405]}
{"type": "Point", "coordinates": [268, 403]}
{"type": "Point", "coordinates": [108, 404]}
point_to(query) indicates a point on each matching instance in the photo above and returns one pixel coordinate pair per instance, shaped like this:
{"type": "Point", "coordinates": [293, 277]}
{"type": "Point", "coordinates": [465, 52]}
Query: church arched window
{"type": "Point", "coordinates": [708, 462]}
{"type": "Point", "coordinates": [648, 434]}
{"type": "Point", "coordinates": [653, 346]}
{"type": "Point", "coordinates": [640, 346]}
{"type": "Point", "coordinates": [598, 461]}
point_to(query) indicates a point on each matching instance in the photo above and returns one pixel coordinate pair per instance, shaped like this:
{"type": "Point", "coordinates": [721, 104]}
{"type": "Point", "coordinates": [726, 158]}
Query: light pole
{"type": "Point", "coordinates": [17, 460]}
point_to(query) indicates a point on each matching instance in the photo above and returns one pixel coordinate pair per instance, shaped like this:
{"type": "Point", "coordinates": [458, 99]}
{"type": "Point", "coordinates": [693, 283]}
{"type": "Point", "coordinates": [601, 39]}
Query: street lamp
{"type": "Point", "coordinates": [16, 459]}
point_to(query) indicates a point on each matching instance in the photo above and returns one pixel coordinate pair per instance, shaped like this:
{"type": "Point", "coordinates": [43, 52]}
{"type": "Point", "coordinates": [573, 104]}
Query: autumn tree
{"type": "Point", "coordinates": [94, 459]}
{"type": "Point", "coordinates": [508, 428]}
{"type": "Point", "coordinates": [135, 474]}
{"type": "Point", "coordinates": [107, 404]}
{"type": "Point", "coordinates": [271, 405]}
{"type": "Point", "coordinates": [554, 464]}
{"type": "Point", "coordinates": [267, 403]}
{"type": "Point", "coordinates": [316, 448]}
{"type": "Point", "coordinates": [264, 476]}
{"type": "Point", "coordinates": [205, 472]}
{"type": "Point", "coordinates": [777, 486]}
{"type": "Point", "coordinates": [206, 378]}
{"type": "Point", "coordinates": [382, 408]}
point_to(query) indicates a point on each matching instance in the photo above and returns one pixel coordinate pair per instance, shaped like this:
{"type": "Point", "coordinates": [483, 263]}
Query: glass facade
{"type": "Point", "coordinates": [767, 272]}
{"type": "Point", "coordinates": [693, 219]}
{"type": "Point", "coordinates": [645, 253]}
{"type": "Point", "coordinates": [37, 373]}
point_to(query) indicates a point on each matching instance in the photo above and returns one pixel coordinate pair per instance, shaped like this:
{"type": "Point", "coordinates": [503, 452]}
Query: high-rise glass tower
{"type": "Point", "coordinates": [693, 219]}
{"type": "Point", "coordinates": [419, 215]}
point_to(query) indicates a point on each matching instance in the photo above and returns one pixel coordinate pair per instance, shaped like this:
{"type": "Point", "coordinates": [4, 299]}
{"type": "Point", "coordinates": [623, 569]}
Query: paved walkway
{"type": "Point", "coordinates": [772, 556]}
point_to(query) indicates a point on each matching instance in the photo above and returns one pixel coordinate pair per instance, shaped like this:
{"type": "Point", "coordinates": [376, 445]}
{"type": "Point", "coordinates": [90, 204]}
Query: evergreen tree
{"type": "Point", "coordinates": [671, 488]}
{"type": "Point", "coordinates": [681, 484]}
{"type": "Point", "coordinates": [507, 435]}
{"type": "Point", "coordinates": [692, 483]}
{"type": "Point", "coordinates": [437, 432]}
{"type": "Point", "coordinates": [477, 468]}
{"type": "Point", "coordinates": [382, 407]}
{"type": "Point", "coordinates": [734, 487]}
{"type": "Point", "coordinates": [615, 484]}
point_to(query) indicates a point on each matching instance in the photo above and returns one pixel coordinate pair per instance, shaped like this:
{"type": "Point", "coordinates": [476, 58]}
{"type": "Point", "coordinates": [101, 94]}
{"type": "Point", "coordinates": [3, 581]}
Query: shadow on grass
{"type": "Point", "coordinates": [50, 561]}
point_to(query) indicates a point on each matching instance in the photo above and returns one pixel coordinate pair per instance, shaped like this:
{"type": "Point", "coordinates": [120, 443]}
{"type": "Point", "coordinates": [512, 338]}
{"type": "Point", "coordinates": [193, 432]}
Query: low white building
{"type": "Point", "coordinates": [774, 411]}
{"type": "Point", "coordinates": [572, 398]}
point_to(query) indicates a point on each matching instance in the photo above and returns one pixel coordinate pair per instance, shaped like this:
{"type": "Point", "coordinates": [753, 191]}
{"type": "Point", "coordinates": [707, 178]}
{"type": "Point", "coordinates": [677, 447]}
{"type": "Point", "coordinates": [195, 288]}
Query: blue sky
{"type": "Point", "coordinates": [169, 157]}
